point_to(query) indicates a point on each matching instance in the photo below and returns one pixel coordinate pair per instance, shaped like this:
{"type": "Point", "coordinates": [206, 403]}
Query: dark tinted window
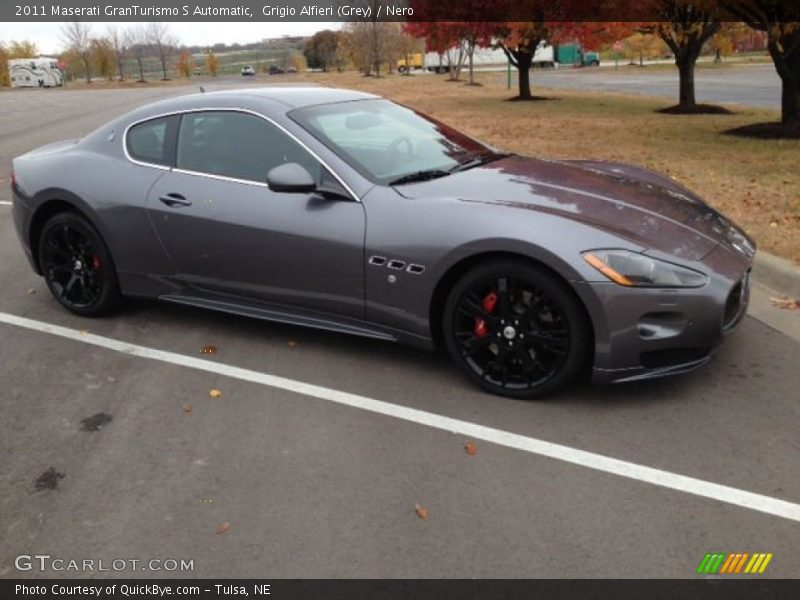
{"type": "Point", "coordinates": [151, 141]}
{"type": "Point", "coordinates": [240, 145]}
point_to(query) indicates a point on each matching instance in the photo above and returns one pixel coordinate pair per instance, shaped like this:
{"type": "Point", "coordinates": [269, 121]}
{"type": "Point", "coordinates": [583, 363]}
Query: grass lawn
{"type": "Point", "coordinates": [755, 182]}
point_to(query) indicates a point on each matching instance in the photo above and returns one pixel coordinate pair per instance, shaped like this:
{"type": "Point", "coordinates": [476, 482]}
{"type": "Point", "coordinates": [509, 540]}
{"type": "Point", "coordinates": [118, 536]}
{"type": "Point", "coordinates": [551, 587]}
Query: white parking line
{"type": "Point", "coordinates": [5, 202]}
{"type": "Point", "coordinates": [590, 460]}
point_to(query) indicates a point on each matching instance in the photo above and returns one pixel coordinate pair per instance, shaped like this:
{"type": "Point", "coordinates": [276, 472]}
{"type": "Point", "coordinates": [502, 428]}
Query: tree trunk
{"type": "Point", "coordinates": [790, 104]}
{"type": "Point", "coordinates": [788, 68]}
{"type": "Point", "coordinates": [141, 69]}
{"type": "Point", "coordinates": [88, 67]}
{"type": "Point", "coordinates": [524, 68]}
{"type": "Point", "coordinates": [119, 67]}
{"type": "Point", "coordinates": [686, 98]}
{"type": "Point", "coordinates": [471, 65]}
{"type": "Point", "coordinates": [164, 68]}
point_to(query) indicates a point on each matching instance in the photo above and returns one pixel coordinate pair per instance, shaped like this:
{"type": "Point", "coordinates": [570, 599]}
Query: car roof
{"type": "Point", "coordinates": [295, 96]}
{"type": "Point", "coordinates": [271, 100]}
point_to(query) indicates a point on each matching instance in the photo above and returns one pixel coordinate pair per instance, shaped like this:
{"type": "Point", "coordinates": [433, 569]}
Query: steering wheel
{"type": "Point", "coordinates": [394, 151]}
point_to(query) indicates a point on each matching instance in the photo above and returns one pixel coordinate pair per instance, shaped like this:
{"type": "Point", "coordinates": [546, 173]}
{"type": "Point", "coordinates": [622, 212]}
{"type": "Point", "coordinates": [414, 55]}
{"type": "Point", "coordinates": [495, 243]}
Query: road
{"type": "Point", "coordinates": [108, 455]}
{"type": "Point", "coordinates": [747, 85]}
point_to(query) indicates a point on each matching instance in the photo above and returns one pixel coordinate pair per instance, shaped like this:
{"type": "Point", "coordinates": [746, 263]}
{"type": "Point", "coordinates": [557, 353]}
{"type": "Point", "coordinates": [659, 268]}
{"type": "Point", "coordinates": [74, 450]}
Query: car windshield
{"type": "Point", "coordinates": [390, 144]}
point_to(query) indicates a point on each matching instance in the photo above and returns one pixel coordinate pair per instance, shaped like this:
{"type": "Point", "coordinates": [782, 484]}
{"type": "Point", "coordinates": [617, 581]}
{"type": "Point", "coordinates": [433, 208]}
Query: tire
{"type": "Point", "coordinates": [402, 69]}
{"type": "Point", "coordinates": [516, 330]}
{"type": "Point", "coordinates": [77, 266]}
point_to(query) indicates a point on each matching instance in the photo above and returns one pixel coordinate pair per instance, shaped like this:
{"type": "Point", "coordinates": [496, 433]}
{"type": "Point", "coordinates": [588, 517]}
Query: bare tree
{"type": "Point", "coordinates": [164, 43]}
{"type": "Point", "coordinates": [137, 42]}
{"type": "Point", "coordinates": [119, 42]}
{"type": "Point", "coordinates": [77, 37]}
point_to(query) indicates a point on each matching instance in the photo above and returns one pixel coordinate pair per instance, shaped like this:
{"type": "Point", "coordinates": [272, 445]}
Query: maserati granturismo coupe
{"type": "Point", "coordinates": [344, 211]}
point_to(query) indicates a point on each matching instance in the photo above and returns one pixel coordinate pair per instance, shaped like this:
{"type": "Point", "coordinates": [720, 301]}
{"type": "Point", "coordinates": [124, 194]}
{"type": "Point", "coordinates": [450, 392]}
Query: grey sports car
{"type": "Point", "coordinates": [344, 211]}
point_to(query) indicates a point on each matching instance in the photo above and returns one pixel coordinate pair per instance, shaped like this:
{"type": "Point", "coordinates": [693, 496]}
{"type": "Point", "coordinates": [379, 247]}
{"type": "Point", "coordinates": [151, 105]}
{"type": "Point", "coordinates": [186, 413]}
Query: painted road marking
{"type": "Point", "coordinates": [583, 458]}
{"type": "Point", "coordinates": [5, 202]}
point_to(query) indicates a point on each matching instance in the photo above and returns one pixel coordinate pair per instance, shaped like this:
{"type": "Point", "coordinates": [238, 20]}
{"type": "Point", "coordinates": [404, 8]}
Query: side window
{"type": "Point", "coordinates": [238, 145]}
{"type": "Point", "coordinates": [152, 141]}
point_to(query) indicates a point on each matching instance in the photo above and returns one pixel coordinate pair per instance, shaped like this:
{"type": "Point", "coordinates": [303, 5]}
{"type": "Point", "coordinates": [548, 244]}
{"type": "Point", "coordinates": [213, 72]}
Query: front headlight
{"type": "Point", "coordinates": [637, 270]}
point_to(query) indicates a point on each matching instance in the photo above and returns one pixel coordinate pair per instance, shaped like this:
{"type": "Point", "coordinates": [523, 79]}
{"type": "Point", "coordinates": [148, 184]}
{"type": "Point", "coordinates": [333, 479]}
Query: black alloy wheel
{"type": "Point", "coordinates": [516, 330]}
{"type": "Point", "coordinates": [77, 266]}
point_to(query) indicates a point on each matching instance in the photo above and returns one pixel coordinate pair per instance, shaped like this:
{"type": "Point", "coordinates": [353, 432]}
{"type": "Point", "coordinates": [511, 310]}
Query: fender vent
{"type": "Point", "coordinates": [377, 260]}
{"type": "Point", "coordinates": [396, 265]}
{"type": "Point", "coordinates": [416, 269]}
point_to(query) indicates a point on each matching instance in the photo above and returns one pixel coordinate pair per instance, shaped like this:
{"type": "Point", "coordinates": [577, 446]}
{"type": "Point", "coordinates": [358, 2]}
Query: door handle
{"type": "Point", "coordinates": [175, 200]}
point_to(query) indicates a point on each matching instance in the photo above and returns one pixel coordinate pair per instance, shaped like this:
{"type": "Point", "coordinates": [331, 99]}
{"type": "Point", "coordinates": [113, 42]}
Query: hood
{"type": "Point", "coordinates": [638, 205]}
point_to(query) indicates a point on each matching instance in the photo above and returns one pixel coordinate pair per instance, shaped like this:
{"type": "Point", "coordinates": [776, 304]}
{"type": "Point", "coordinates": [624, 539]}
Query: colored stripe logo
{"type": "Point", "coordinates": [719, 563]}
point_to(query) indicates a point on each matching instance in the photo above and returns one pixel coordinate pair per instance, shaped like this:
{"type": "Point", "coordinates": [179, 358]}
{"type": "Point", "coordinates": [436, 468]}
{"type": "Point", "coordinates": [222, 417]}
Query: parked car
{"type": "Point", "coordinates": [275, 70]}
{"type": "Point", "coordinates": [344, 211]}
{"type": "Point", "coordinates": [291, 70]}
{"type": "Point", "coordinates": [248, 71]}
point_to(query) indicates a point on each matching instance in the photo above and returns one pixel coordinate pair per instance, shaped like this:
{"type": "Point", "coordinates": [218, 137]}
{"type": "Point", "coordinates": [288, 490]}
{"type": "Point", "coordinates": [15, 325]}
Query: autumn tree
{"type": "Point", "coordinates": [22, 49]}
{"type": "Point", "coordinates": [685, 26]}
{"type": "Point", "coordinates": [455, 29]}
{"type": "Point", "coordinates": [320, 49]}
{"type": "Point", "coordinates": [185, 64]}
{"type": "Point", "coordinates": [4, 58]}
{"type": "Point", "coordinates": [77, 38]}
{"type": "Point", "coordinates": [102, 57]}
{"type": "Point", "coordinates": [780, 19]}
{"type": "Point", "coordinates": [212, 64]}
{"type": "Point", "coordinates": [164, 43]}
{"type": "Point", "coordinates": [641, 46]}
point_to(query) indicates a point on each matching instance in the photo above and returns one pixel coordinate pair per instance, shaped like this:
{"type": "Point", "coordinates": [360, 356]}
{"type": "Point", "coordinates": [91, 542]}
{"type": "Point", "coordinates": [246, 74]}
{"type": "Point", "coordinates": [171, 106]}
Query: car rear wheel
{"type": "Point", "coordinates": [77, 266]}
{"type": "Point", "coordinates": [516, 330]}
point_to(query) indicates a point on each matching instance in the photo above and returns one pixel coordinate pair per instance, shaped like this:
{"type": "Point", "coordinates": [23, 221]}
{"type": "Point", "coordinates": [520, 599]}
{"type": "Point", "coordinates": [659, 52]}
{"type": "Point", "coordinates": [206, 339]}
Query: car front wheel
{"type": "Point", "coordinates": [516, 330]}
{"type": "Point", "coordinates": [77, 266]}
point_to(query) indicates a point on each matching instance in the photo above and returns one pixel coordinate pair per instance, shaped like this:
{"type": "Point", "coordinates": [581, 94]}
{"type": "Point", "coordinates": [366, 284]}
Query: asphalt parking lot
{"type": "Point", "coordinates": [747, 85]}
{"type": "Point", "coordinates": [114, 451]}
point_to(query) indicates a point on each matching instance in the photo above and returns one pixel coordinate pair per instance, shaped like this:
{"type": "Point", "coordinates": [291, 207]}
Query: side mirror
{"type": "Point", "coordinates": [291, 178]}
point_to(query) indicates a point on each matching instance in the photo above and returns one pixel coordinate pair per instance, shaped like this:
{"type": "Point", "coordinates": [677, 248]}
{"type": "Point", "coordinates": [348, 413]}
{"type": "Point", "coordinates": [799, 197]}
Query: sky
{"type": "Point", "coordinates": [48, 38]}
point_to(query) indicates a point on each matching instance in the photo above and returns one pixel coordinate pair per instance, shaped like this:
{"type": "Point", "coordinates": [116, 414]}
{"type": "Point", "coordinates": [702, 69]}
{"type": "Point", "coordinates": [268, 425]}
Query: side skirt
{"type": "Point", "coordinates": [303, 319]}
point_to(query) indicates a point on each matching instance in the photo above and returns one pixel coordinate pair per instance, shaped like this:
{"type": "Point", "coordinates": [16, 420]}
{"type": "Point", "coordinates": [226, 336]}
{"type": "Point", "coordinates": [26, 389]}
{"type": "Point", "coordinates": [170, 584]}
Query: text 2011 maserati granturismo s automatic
{"type": "Point", "coordinates": [344, 211]}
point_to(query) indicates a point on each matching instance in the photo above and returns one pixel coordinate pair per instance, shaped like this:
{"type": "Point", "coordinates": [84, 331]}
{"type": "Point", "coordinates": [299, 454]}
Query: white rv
{"type": "Point", "coordinates": [35, 72]}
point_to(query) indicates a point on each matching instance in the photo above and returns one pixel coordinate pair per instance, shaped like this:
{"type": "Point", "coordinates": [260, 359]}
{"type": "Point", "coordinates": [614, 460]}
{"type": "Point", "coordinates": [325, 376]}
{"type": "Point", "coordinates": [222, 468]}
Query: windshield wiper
{"type": "Point", "coordinates": [479, 160]}
{"type": "Point", "coordinates": [420, 176]}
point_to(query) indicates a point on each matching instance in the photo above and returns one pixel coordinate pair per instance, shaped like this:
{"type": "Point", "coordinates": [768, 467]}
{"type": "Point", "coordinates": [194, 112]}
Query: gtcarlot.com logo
{"type": "Point", "coordinates": [46, 562]}
{"type": "Point", "coordinates": [724, 563]}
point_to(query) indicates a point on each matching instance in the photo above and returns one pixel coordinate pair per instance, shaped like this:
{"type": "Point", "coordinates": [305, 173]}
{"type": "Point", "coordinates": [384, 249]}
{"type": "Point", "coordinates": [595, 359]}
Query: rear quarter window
{"type": "Point", "coordinates": [153, 141]}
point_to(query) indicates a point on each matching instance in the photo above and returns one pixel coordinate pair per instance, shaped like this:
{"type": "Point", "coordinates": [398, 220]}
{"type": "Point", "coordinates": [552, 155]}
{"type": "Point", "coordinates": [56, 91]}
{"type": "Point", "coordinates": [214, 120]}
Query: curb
{"type": "Point", "coordinates": [777, 274]}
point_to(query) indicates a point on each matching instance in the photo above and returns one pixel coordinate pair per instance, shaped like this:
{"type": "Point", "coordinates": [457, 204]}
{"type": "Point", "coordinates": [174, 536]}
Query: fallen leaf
{"type": "Point", "coordinates": [31, 291]}
{"type": "Point", "coordinates": [471, 448]}
{"type": "Point", "coordinates": [421, 511]}
{"type": "Point", "coordinates": [187, 408]}
{"type": "Point", "coordinates": [84, 332]}
{"type": "Point", "coordinates": [223, 528]}
{"type": "Point", "coordinates": [786, 303]}
{"type": "Point", "coordinates": [208, 350]}
{"type": "Point", "coordinates": [215, 393]}
{"type": "Point", "coordinates": [292, 343]}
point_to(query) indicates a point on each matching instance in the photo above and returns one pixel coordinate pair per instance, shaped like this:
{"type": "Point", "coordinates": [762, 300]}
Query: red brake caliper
{"type": "Point", "coordinates": [96, 263]}
{"type": "Point", "coordinates": [489, 302]}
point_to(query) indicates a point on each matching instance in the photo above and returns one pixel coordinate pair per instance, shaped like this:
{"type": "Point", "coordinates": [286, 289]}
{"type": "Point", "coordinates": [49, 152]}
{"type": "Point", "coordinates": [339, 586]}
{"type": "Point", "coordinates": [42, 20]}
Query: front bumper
{"type": "Point", "coordinates": [23, 215]}
{"type": "Point", "coordinates": [645, 333]}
